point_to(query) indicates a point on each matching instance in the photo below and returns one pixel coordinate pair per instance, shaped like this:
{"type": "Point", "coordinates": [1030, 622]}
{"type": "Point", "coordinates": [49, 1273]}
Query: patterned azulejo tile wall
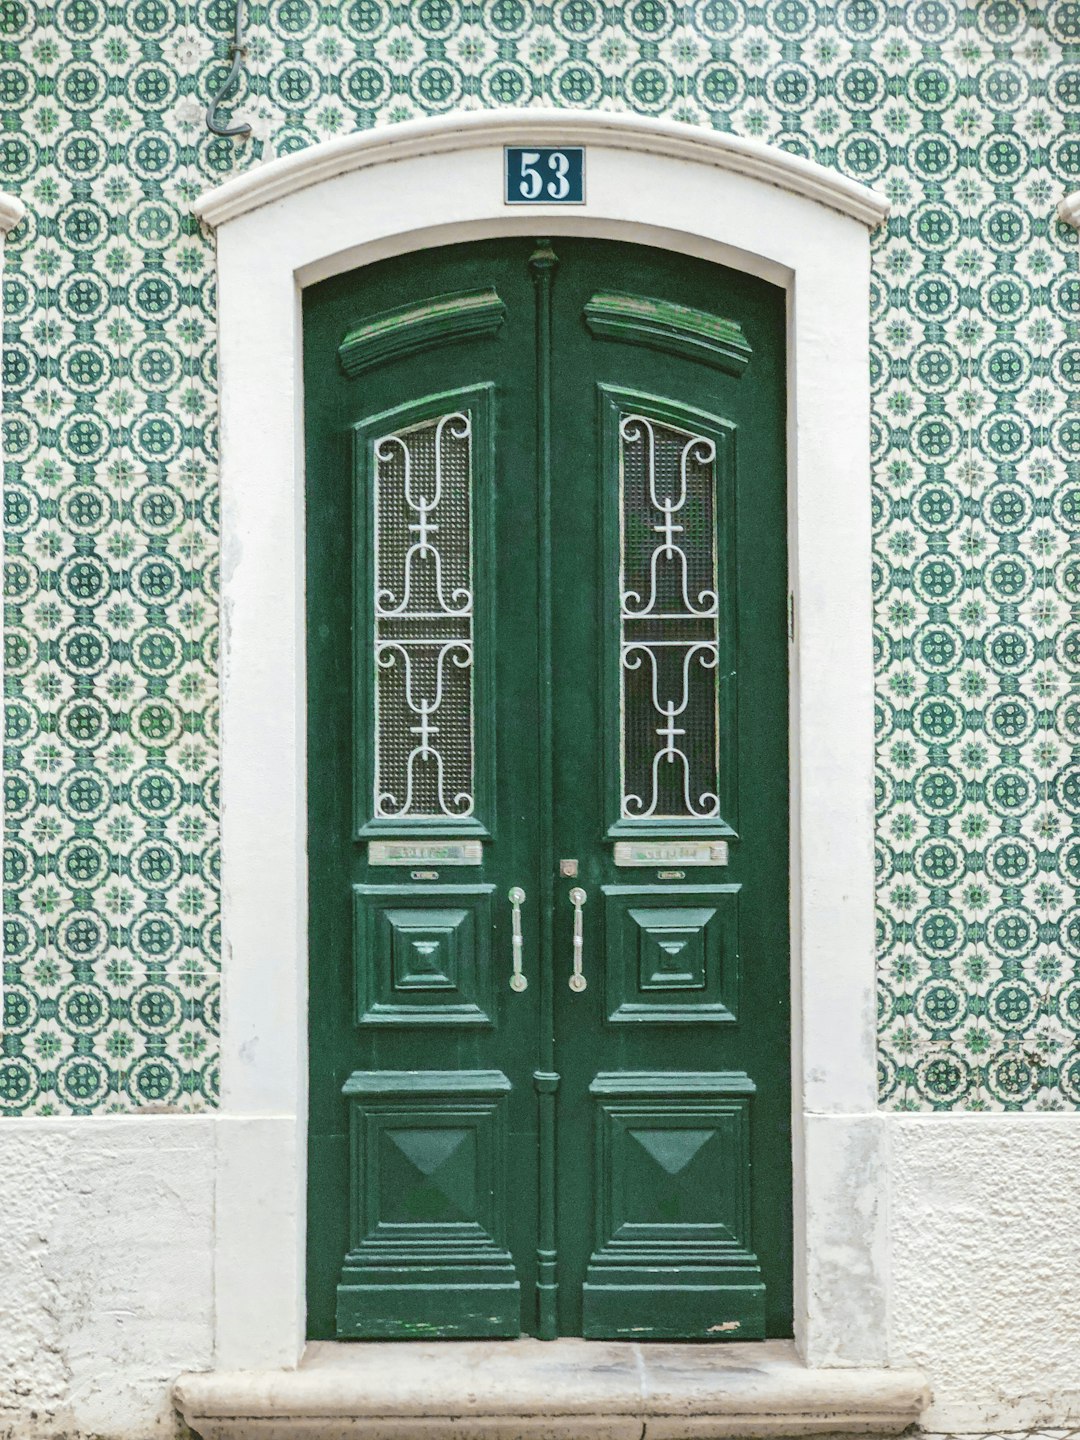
{"type": "Point", "coordinates": [967, 116]}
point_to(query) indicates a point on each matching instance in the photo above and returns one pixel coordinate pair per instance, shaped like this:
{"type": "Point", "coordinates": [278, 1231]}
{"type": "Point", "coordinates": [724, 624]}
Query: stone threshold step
{"type": "Point", "coordinates": [548, 1390]}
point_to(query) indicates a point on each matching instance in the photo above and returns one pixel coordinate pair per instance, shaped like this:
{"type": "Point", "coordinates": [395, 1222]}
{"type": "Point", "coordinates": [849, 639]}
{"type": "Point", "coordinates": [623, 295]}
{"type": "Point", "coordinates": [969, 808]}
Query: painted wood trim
{"type": "Point", "coordinates": [440, 135]}
{"type": "Point", "coordinates": [674, 329]}
{"type": "Point", "coordinates": [667, 1082]}
{"type": "Point", "coordinates": [442, 320]}
{"type": "Point", "coordinates": [12, 211]}
{"type": "Point", "coordinates": [425, 1082]}
{"type": "Point", "coordinates": [542, 266]}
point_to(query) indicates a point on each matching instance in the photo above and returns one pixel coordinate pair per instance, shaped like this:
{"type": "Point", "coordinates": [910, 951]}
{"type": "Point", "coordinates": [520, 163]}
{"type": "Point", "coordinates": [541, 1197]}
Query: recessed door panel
{"type": "Point", "coordinates": [423, 956]}
{"type": "Point", "coordinates": [428, 1185]}
{"type": "Point", "coordinates": [673, 1256]}
{"type": "Point", "coordinates": [671, 954]}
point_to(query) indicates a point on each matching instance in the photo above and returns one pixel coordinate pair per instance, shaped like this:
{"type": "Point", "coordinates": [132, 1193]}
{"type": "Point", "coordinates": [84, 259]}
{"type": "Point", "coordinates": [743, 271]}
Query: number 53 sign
{"type": "Point", "coordinates": [545, 177]}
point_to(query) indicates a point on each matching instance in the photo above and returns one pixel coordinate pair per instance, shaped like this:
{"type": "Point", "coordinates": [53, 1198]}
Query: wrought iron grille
{"type": "Point", "coordinates": [670, 617]}
{"type": "Point", "coordinates": [424, 732]}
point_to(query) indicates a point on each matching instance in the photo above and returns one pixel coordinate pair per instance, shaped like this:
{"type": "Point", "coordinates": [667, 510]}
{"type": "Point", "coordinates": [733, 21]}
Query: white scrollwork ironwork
{"type": "Point", "coordinates": [698, 449]}
{"type": "Point", "coordinates": [669, 610]}
{"type": "Point", "coordinates": [424, 708]}
{"type": "Point", "coordinates": [707, 804]}
{"type": "Point", "coordinates": [423, 621]}
{"type": "Point", "coordinates": [423, 507]}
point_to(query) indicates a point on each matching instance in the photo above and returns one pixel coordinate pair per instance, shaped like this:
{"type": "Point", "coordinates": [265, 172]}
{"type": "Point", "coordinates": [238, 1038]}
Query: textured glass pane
{"type": "Point", "coordinates": [423, 621]}
{"type": "Point", "coordinates": [670, 622]}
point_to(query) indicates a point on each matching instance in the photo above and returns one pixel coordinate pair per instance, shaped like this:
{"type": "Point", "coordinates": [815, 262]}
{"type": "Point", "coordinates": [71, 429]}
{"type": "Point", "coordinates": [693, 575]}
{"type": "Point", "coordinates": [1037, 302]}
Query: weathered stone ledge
{"type": "Point", "coordinates": [559, 1390]}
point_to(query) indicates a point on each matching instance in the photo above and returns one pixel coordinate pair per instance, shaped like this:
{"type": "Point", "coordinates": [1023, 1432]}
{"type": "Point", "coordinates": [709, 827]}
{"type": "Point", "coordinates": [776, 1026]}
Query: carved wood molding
{"type": "Point", "coordinates": [676, 329]}
{"type": "Point", "coordinates": [442, 320]}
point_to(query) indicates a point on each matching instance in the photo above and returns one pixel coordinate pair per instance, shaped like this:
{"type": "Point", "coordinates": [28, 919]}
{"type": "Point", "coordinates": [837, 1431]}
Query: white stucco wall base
{"type": "Point", "coordinates": [107, 1244]}
{"type": "Point", "coordinates": [106, 1276]}
{"type": "Point", "coordinates": [985, 1245]}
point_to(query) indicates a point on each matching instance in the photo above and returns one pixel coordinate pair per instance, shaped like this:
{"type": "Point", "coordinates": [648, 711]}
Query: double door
{"type": "Point", "coordinates": [547, 739]}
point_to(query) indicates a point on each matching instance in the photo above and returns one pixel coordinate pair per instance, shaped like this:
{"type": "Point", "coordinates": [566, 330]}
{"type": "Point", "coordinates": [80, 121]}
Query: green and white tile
{"type": "Point", "coordinates": [964, 115]}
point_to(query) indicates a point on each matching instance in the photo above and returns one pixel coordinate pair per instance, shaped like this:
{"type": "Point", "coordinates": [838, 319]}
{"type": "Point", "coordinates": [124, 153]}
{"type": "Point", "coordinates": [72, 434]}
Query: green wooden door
{"type": "Point", "coordinates": [547, 739]}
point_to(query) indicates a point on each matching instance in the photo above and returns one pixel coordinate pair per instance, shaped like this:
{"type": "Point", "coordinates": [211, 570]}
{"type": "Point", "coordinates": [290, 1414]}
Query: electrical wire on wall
{"type": "Point", "coordinates": [237, 51]}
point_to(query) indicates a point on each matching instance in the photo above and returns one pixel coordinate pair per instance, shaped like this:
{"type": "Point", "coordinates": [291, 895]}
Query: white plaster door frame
{"type": "Point", "coordinates": [360, 198]}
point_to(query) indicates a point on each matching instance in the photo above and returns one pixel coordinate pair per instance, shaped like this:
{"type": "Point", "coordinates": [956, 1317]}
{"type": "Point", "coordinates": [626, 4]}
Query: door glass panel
{"type": "Point", "coordinates": [669, 616]}
{"type": "Point", "coordinates": [423, 613]}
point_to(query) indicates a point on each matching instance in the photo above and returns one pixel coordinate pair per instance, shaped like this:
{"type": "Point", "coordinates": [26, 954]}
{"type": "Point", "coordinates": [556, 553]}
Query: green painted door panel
{"type": "Point", "coordinates": [669, 1281]}
{"type": "Point", "coordinates": [409, 977]}
{"type": "Point", "coordinates": [576, 454]}
{"type": "Point", "coordinates": [429, 1201]}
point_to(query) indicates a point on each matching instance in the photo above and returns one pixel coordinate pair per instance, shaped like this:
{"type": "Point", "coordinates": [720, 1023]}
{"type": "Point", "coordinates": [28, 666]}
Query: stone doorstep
{"type": "Point", "coordinates": [548, 1390]}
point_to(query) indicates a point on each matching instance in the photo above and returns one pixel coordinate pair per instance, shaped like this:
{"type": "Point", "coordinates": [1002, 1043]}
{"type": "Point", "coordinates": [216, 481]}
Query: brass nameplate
{"type": "Point", "coordinates": [425, 852]}
{"type": "Point", "coordinates": [670, 852]}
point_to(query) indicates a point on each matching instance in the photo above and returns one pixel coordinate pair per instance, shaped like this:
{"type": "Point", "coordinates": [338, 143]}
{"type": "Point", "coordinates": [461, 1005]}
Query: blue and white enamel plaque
{"type": "Point", "coordinates": [545, 176]}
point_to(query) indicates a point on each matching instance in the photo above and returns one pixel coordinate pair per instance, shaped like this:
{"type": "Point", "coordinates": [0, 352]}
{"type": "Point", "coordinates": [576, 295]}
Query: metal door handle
{"type": "Point", "coordinates": [517, 979]}
{"type": "Point", "coordinates": [577, 979]}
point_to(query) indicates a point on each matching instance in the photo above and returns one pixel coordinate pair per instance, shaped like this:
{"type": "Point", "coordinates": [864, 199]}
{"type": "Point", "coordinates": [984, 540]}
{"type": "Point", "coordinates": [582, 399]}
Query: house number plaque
{"type": "Point", "coordinates": [545, 176]}
{"type": "Point", "coordinates": [425, 852]}
{"type": "Point", "coordinates": [670, 852]}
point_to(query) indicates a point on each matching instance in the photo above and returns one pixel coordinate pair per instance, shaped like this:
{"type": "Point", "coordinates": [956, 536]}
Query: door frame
{"type": "Point", "coordinates": [366, 196]}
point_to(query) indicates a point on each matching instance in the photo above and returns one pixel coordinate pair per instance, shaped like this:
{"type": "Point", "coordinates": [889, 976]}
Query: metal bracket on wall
{"type": "Point", "coordinates": [237, 51]}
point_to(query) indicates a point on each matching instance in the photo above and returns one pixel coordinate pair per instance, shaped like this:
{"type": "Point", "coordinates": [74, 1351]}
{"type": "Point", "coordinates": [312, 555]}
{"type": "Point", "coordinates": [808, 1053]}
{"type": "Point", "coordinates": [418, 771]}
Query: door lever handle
{"type": "Point", "coordinates": [517, 979]}
{"type": "Point", "coordinates": [577, 979]}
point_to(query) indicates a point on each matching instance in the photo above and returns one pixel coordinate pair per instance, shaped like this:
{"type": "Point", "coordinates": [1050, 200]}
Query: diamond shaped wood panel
{"type": "Point", "coordinates": [428, 1204]}
{"type": "Point", "coordinates": [422, 954]}
{"type": "Point", "coordinates": [671, 953]}
{"type": "Point", "coordinates": [672, 1252]}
